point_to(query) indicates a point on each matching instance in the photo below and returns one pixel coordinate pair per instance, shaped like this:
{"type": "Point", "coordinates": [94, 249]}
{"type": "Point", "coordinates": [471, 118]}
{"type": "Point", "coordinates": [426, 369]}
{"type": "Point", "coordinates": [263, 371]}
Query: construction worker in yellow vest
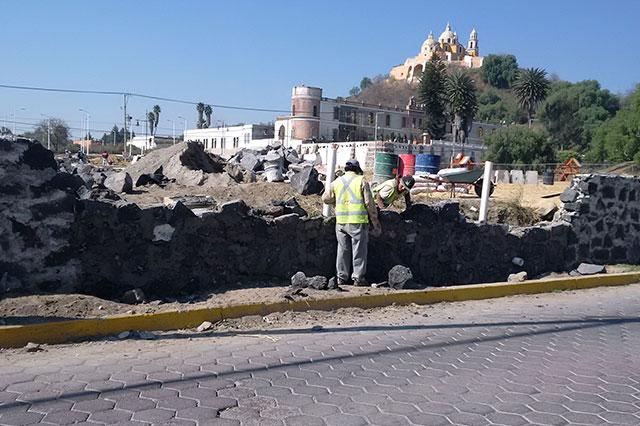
{"type": "Point", "coordinates": [355, 210]}
{"type": "Point", "coordinates": [390, 190]}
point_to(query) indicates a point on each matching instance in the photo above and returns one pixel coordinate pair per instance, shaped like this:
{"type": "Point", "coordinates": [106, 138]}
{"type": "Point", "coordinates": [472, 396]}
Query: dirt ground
{"type": "Point", "coordinates": [59, 307]}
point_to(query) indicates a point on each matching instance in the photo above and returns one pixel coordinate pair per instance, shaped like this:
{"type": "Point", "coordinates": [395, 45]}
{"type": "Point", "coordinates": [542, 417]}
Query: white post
{"type": "Point", "coordinates": [486, 185]}
{"type": "Point", "coordinates": [331, 174]}
{"type": "Point", "coordinates": [88, 133]}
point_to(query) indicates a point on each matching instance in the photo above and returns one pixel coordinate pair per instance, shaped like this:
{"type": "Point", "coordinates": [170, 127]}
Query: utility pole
{"type": "Point", "coordinates": [124, 107]}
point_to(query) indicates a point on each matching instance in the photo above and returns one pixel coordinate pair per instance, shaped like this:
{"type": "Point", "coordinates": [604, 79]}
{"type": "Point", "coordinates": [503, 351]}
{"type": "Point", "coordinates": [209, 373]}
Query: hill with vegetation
{"type": "Point", "coordinates": [567, 119]}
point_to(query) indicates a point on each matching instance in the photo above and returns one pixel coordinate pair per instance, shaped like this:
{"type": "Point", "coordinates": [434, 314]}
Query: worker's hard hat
{"type": "Point", "coordinates": [408, 181]}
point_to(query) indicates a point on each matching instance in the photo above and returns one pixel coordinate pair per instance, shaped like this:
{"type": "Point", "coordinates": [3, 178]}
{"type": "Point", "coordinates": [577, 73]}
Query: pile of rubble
{"type": "Point", "coordinates": [275, 164]}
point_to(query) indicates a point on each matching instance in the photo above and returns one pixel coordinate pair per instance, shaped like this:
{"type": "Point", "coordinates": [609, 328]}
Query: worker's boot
{"type": "Point", "coordinates": [361, 282]}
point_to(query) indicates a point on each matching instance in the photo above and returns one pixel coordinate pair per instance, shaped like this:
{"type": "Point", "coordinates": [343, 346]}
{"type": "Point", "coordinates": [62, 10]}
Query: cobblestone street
{"type": "Point", "coordinates": [555, 359]}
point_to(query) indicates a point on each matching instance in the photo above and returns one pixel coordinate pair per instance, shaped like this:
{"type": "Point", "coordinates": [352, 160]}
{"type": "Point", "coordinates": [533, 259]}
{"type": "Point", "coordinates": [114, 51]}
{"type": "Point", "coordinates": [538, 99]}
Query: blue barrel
{"type": "Point", "coordinates": [427, 163]}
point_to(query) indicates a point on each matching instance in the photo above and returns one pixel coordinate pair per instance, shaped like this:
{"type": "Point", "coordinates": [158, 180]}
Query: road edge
{"type": "Point", "coordinates": [77, 330]}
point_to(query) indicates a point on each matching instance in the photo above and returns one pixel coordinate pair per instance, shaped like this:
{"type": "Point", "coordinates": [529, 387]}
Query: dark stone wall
{"type": "Point", "coordinates": [604, 213]}
{"type": "Point", "coordinates": [51, 240]}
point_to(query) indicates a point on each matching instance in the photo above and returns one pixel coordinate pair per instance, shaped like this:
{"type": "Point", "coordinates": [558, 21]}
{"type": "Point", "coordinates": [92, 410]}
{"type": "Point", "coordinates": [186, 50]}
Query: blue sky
{"type": "Point", "coordinates": [250, 53]}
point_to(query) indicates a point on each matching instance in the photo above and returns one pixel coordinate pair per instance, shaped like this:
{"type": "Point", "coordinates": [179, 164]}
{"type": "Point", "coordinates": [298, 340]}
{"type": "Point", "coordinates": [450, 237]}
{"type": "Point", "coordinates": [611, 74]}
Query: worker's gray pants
{"type": "Point", "coordinates": [353, 239]}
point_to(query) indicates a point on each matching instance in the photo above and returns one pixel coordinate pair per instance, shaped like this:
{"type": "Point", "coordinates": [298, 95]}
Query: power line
{"type": "Point", "coordinates": [139, 95]}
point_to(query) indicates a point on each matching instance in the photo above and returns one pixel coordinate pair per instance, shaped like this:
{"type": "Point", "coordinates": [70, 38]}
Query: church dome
{"type": "Point", "coordinates": [429, 44]}
{"type": "Point", "coordinates": [447, 35]}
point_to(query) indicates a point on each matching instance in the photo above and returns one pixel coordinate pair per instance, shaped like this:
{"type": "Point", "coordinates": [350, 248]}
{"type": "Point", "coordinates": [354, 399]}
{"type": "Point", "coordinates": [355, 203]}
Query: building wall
{"type": "Point", "coordinates": [228, 140]}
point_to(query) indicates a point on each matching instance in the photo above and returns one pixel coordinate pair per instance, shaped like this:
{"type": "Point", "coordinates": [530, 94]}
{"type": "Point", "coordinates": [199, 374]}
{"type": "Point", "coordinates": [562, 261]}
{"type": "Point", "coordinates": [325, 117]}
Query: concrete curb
{"type": "Point", "coordinates": [76, 330]}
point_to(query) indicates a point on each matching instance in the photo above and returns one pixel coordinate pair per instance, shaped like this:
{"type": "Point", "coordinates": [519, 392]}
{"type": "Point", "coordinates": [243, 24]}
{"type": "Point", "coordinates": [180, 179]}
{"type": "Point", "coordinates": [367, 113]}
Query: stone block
{"type": "Point", "coordinates": [517, 177]}
{"type": "Point", "coordinates": [502, 176]}
{"type": "Point", "coordinates": [531, 177]}
{"type": "Point", "coordinates": [590, 269]}
{"type": "Point", "coordinates": [306, 182]}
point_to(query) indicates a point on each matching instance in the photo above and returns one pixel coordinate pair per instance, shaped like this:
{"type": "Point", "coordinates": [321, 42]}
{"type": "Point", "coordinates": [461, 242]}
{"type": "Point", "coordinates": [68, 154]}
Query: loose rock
{"type": "Point", "coordinates": [204, 326]}
{"type": "Point", "coordinates": [399, 277]}
{"type": "Point", "coordinates": [590, 269]}
{"type": "Point", "coordinates": [133, 297]}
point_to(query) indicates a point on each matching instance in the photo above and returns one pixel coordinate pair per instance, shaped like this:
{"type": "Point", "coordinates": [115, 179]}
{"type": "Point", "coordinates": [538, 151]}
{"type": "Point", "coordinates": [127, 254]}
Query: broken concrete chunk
{"type": "Point", "coordinates": [204, 326]}
{"type": "Point", "coordinates": [399, 277]}
{"type": "Point", "coordinates": [133, 296]}
{"type": "Point", "coordinates": [163, 232]}
{"type": "Point", "coordinates": [119, 182]}
{"type": "Point", "coordinates": [332, 284]}
{"type": "Point", "coordinates": [33, 347]}
{"type": "Point", "coordinates": [250, 162]}
{"type": "Point", "coordinates": [306, 182]}
{"type": "Point", "coordinates": [590, 269]}
{"type": "Point", "coordinates": [518, 277]}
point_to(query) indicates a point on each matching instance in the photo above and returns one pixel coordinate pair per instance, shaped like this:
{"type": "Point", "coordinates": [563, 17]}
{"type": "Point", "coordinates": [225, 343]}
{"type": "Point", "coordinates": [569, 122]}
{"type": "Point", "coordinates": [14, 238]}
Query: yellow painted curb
{"type": "Point", "coordinates": [65, 331]}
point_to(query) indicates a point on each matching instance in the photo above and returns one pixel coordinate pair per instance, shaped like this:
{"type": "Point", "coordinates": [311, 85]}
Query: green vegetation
{"type": "Point", "coordinates": [499, 71]}
{"type": "Point", "coordinates": [531, 88]}
{"type": "Point", "coordinates": [200, 124]}
{"type": "Point", "coordinates": [431, 96]}
{"type": "Point", "coordinates": [572, 112]}
{"type": "Point", "coordinates": [156, 119]}
{"type": "Point", "coordinates": [519, 144]}
{"type": "Point", "coordinates": [618, 139]}
{"type": "Point", "coordinates": [460, 93]}
{"type": "Point", "coordinates": [579, 120]}
{"type": "Point", "coordinates": [59, 133]}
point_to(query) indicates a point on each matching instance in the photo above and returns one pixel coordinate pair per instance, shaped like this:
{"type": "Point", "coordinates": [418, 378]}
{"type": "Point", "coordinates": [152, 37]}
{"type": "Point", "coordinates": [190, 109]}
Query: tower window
{"type": "Point", "coordinates": [387, 120]}
{"type": "Point", "coordinates": [293, 110]}
{"type": "Point", "coordinates": [336, 113]}
{"type": "Point", "coordinates": [315, 111]}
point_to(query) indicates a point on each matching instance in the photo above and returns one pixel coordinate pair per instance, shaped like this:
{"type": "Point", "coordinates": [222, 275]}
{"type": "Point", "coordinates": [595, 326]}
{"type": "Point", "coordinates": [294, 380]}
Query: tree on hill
{"type": "Point", "coordinates": [460, 94]}
{"type": "Point", "coordinates": [519, 145]}
{"type": "Point", "coordinates": [572, 112]}
{"type": "Point", "coordinates": [364, 83]}
{"type": "Point", "coordinates": [499, 108]}
{"type": "Point", "coordinates": [59, 133]}
{"type": "Point", "coordinates": [499, 70]}
{"type": "Point", "coordinates": [618, 139]}
{"type": "Point", "coordinates": [431, 94]}
{"type": "Point", "coordinates": [531, 88]}
{"type": "Point", "coordinates": [354, 91]}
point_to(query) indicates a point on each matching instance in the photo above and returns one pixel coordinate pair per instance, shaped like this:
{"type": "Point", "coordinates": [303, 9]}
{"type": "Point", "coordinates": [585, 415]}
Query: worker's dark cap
{"type": "Point", "coordinates": [408, 181]}
{"type": "Point", "coordinates": [354, 163]}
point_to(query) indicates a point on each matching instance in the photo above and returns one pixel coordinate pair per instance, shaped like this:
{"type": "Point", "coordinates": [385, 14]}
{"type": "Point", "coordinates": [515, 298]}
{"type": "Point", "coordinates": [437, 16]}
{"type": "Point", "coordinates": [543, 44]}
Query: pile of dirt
{"type": "Point", "coordinates": [185, 163]}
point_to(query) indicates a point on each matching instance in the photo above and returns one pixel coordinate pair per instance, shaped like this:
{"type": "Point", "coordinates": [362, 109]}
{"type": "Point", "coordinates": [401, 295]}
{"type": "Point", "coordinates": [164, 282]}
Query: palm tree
{"type": "Point", "coordinates": [208, 111]}
{"type": "Point", "coordinates": [151, 118]}
{"type": "Point", "coordinates": [460, 94]}
{"type": "Point", "coordinates": [531, 88]}
{"type": "Point", "coordinates": [200, 109]}
{"type": "Point", "coordinates": [156, 111]}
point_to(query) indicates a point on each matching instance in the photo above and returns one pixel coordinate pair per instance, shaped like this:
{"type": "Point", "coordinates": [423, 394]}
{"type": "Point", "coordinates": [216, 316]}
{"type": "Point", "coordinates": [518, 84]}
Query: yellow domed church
{"type": "Point", "coordinates": [446, 48]}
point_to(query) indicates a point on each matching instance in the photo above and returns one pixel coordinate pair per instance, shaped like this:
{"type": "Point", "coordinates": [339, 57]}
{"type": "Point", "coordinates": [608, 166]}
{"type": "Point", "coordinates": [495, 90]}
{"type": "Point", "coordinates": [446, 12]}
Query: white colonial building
{"type": "Point", "coordinates": [226, 140]}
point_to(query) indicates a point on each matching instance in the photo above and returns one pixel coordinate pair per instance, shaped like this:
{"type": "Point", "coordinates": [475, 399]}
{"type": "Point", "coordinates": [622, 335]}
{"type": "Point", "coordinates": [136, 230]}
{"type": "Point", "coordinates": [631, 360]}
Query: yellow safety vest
{"type": "Point", "coordinates": [393, 196]}
{"type": "Point", "coordinates": [350, 207]}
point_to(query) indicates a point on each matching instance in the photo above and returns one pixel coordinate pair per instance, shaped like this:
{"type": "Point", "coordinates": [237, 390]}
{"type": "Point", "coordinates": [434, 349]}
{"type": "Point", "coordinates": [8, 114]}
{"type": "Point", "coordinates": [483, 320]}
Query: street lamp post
{"type": "Point", "coordinates": [48, 131]}
{"type": "Point", "coordinates": [173, 130]}
{"type": "Point", "coordinates": [184, 135]}
{"type": "Point", "coordinates": [85, 123]}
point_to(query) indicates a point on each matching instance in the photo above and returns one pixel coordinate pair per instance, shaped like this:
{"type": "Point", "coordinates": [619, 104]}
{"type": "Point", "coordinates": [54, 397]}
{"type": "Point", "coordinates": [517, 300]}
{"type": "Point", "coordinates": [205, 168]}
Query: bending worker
{"type": "Point", "coordinates": [390, 190]}
{"type": "Point", "coordinates": [355, 210]}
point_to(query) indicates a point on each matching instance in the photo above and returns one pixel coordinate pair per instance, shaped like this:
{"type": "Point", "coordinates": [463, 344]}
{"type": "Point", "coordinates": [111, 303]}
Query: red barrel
{"type": "Point", "coordinates": [407, 164]}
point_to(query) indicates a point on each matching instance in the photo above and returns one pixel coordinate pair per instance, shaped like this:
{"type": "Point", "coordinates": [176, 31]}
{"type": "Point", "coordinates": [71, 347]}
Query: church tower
{"type": "Point", "coordinates": [472, 46]}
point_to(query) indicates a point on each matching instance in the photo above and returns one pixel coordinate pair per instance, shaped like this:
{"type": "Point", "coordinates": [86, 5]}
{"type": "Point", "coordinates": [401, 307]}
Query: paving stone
{"type": "Point", "coordinates": [344, 420]}
{"type": "Point", "coordinates": [155, 415]}
{"type": "Point", "coordinates": [111, 416]}
{"type": "Point", "coordinates": [64, 417]}
{"type": "Point", "coordinates": [26, 418]}
{"type": "Point", "coordinates": [197, 414]}
{"type": "Point", "coordinates": [94, 405]}
{"type": "Point", "coordinates": [136, 404]}
{"type": "Point", "coordinates": [304, 420]}
{"type": "Point", "coordinates": [428, 419]}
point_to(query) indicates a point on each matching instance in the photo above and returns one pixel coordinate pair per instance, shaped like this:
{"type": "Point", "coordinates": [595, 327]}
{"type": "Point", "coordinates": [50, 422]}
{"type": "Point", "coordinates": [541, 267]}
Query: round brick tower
{"type": "Point", "coordinates": [305, 112]}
